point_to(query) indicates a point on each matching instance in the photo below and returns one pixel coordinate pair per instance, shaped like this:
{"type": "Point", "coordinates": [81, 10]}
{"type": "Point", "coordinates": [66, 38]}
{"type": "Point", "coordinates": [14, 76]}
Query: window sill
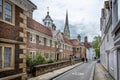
{"type": "Point", "coordinates": [48, 45]}
{"type": "Point", "coordinates": [41, 44]}
{"type": "Point", "coordinates": [7, 22]}
{"type": "Point", "coordinates": [6, 69]}
{"type": "Point", "coordinates": [32, 42]}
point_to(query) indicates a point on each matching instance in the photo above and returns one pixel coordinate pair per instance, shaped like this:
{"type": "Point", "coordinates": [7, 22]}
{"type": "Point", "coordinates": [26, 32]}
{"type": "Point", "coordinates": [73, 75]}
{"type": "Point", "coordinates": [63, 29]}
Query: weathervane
{"type": "Point", "coordinates": [48, 9]}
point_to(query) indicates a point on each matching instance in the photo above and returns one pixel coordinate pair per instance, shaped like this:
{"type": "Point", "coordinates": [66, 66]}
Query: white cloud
{"type": "Point", "coordinates": [83, 15]}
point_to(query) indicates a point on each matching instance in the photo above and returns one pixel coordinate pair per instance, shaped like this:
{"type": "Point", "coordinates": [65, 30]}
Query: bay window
{"type": "Point", "coordinates": [6, 56]}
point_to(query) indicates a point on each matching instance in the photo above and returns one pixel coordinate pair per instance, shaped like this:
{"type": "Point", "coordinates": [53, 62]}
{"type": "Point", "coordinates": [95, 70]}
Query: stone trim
{"type": "Point", "coordinates": [38, 33]}
{"type": "Point", "coordinates": [22, 25]}
{"type": "Point", "coordinates": [22, 65]}
{"type": "Point", "coordinates": [13, 76]}
{"type": "Point", "coordinates": [11, 41]}
{"type": "Point", "coordinates": [22, 46]}
{"type": "Point", "coordinates": [21, 34]}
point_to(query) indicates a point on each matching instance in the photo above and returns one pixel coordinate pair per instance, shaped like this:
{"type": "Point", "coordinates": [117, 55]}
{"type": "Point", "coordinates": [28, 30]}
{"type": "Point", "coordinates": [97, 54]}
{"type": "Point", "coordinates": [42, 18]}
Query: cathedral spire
{"type": "Point", "coordinates": [66, 28]}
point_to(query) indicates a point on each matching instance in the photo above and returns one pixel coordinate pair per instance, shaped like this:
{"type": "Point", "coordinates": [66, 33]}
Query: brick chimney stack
{"type": "Point", "coordinates": [86, 39]}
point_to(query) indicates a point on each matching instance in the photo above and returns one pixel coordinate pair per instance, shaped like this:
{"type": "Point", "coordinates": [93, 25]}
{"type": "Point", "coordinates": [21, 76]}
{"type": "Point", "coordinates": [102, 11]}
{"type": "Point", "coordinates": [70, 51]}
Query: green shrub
{"type": "Point", "coordinates": [40, 59]}
{"type": "Point", "coordinates": [31, 62]}
{"type": "Point", "coordinates": [50, 61]}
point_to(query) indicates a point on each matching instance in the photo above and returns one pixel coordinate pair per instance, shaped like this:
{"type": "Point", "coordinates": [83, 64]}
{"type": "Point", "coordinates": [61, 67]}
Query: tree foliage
{"type": "Point", "coordinates": [96, 45]}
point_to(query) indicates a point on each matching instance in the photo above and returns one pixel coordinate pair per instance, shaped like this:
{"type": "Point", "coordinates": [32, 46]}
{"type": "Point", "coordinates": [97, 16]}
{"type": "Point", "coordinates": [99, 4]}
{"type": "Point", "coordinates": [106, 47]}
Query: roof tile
{"type": "Point", "coordinates": [38, 27]}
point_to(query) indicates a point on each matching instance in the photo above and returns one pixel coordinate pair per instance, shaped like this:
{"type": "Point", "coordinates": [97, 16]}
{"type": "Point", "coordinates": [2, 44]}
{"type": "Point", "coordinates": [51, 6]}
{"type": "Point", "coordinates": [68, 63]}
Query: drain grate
{"type": "Point", "coordinates": [108, 75]}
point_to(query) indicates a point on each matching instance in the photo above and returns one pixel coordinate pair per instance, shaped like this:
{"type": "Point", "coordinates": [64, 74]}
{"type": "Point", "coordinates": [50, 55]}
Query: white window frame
{"type": "Point", "coordinates": [41, 40]}
{"type": "Point", "coordinates": [12, 11]}
{"type": "Point", "coordinates": [32, 38]}
{"type": "Point", "coordinates": [12, 56]}
{"type": "Point", "coordinates": [32, 54]}
{"type": "Point", "coordinates": [53, 44]}
{"type": "Point", "coordinates": [47, 42]}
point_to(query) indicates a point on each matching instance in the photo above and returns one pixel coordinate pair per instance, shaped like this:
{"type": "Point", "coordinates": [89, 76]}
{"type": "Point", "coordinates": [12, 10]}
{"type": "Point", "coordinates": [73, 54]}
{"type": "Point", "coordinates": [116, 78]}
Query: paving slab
{"type": "Point", "coordinates": [101, 72]}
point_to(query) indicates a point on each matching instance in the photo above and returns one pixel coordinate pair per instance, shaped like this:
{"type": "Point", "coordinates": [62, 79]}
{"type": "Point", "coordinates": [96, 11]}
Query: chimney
{"type": "Point", "coordinates": [79, 37]}
{"type": "Point", "coordinates": [86, 39]}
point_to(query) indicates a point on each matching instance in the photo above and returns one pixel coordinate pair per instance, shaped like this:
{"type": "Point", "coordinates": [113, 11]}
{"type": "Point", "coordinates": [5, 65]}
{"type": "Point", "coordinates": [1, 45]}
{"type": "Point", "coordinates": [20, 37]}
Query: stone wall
{"type": "Point", "coordinates": [41, 69]}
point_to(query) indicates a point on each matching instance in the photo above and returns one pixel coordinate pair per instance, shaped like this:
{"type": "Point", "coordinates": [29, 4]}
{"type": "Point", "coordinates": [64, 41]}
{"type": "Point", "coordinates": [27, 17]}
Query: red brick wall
{"type": "Point", "coordinates": [39, 46]}
{"type": "Point", "coordinates": [9, 31]}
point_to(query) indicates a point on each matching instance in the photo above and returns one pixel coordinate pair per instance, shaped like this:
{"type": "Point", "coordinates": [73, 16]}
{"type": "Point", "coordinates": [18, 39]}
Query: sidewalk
{"type": "Point", "coordinates": [101, 73]}
{"type": "Point", "coordinates": [55, 73]}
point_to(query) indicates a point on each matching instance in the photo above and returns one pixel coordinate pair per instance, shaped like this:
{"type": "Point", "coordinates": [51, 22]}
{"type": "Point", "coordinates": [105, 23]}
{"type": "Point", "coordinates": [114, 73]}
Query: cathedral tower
{"type": "Point", "coordinates": [66, 28]}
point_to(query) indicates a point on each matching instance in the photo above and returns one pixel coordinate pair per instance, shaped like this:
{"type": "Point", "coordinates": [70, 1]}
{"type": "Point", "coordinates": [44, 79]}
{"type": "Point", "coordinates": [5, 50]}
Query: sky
{"type": "Point", "coordinates": [83, 15]}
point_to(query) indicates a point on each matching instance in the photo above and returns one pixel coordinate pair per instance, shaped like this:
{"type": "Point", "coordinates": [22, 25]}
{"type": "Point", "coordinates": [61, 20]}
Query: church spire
{"type": "Point", "coordinates": [66, 28]}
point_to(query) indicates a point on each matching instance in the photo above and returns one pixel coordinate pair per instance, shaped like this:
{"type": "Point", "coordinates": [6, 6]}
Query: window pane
{"type": "Point", "coordinates": [8, 12]}
{"type": "Point", "coordinates": [0, 57]}
{"type": "Point", "coordinates": [0, 9]}
{"type": "Point", "coordinates": [7, 57]}
{"type": "Point", "coordinates": [119, 9]}
{"type": "Point", "coordinates": [0, 2]}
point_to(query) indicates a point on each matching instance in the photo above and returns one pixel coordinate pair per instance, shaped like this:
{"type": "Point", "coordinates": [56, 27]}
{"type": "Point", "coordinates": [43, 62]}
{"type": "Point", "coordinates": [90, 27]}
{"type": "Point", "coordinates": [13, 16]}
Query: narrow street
{"type": "Point", "coordinates": [81, 72]}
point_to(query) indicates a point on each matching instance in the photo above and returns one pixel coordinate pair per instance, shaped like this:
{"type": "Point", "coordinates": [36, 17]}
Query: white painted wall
{"type": "Point", "coordinates": [106, 47]}
{"type": "Point", "coordinates": [90, 54]}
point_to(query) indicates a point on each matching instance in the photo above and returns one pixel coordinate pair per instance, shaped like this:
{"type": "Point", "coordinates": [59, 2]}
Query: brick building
{"type": "Point", "coordinates": [52, 43]}
{"type": "Point", "coordinates": [20, 36]}
{"type": "Point", "coordinates": [13, 37]}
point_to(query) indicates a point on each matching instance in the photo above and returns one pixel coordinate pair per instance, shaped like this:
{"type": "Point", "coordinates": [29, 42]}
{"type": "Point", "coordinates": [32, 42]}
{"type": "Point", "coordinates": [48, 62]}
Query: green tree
{"type": "Point", "coordinates": [96, 45]}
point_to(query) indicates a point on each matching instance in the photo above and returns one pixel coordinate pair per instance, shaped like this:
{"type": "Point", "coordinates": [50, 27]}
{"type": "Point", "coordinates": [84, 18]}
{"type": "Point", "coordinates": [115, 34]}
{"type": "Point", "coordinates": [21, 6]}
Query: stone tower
{"type": "Point", "coordinates": [66, 28]}
{"type": "Point", "coordinates": [48, 21]}
{"type": "Point", "coordinates": [79, 37]}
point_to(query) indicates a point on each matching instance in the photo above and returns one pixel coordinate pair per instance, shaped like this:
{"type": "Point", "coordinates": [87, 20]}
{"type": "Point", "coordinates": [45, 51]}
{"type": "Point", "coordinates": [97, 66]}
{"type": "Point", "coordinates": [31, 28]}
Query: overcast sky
{"type": "Point", "coordinates": [84, 15]}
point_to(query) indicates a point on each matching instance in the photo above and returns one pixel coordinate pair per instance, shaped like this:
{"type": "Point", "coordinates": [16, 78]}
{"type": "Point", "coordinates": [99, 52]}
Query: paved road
{"type": "Point", "coordinates": [81, 72]}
